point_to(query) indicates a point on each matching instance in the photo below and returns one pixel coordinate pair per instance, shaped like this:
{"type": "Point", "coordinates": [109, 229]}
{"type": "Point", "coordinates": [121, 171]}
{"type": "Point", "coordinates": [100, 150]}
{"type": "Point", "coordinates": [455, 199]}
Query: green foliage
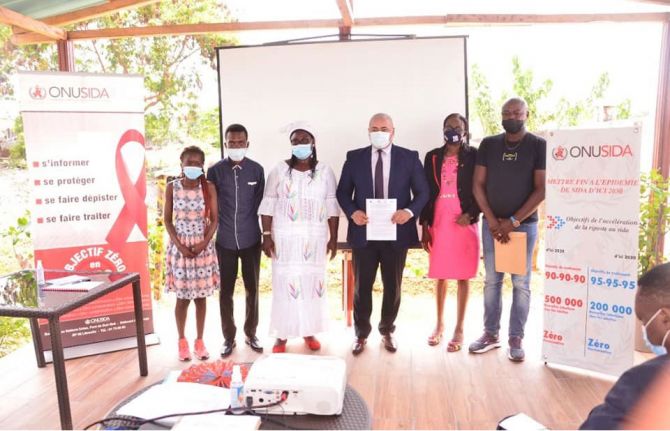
{"type": "Point", "coordinates": [482, 104]}
{"type": "Point", "coordinates": [654, 219]}
{"type": "Point", "coordinates": [623, 110]}
{"type": "Point", "coordinates": [524, 86]}
{"type": "Point", "coordinates": [203, 126]}
{"type": "Point", "coordinates": [18, 235]}
{"type": "Point", "coordinates": [17, 153]}
{"type": "Point", "coordinates": [171, 66]}
{"type": "Point", "coordinates": [564, 113]}
{"type": "Point", "coordinates": [156, 242]}
{"type": "Point", "coordinates": [39, 57]}
{"type": "Point", "coordinates": [13, 334]}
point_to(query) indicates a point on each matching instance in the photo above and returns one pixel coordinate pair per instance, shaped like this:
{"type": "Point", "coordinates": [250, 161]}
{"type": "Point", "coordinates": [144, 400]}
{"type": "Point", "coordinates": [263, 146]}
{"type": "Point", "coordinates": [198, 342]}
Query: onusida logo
{"type": "Point", "coordinates": [591, 151]}
{"type": "Point", "coordinates": [97, 320]}
{"type": "Point", "coordinates": [559, 153]}
{"type": "Point", "coordinates": [37, 92]}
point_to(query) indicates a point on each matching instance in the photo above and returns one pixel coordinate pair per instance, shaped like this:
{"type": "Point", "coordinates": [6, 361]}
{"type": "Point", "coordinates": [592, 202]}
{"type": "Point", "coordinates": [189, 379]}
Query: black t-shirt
{"type": "Point", "coordinates": [510, 171]}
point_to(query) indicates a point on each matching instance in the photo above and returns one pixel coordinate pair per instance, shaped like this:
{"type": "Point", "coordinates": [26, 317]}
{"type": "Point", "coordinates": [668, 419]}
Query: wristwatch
{"type": "Point", "coordinates": [267, 232]}
{"type": "Point", "coordinates": [516, 223]}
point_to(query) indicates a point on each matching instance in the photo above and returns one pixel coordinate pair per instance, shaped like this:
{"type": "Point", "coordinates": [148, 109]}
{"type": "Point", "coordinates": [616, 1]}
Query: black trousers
{"type": "Point", "coordinates": [366, 260]}
{"type": "Point", "coordinates": [251, 264]}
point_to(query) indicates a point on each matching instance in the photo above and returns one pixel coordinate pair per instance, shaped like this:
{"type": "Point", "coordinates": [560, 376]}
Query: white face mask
{"type": "Point", "coordinates": [380, 140]}
{"type": "Point", "coordinates": [236, 154]}
{"type": "Point", "coordinates": [658, 350]}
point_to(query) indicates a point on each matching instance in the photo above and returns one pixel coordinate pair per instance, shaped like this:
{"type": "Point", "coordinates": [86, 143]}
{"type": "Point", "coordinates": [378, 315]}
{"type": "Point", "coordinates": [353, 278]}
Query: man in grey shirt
{"type": "Point", "coordinates": [239, 185]}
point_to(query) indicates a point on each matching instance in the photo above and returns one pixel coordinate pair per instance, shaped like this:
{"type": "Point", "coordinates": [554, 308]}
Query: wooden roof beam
{"type": "Point", "coordinates": [112, 6]}
{"type": "Point", "coordinates": [9, 17]}
{"type": "Point", "coordinates": [460, 19]}
{"type": "Point", "coordinates": [179, 29]}
{"type": "Point", "coordinates": [347, 14]}
{"type": "Point", "coordinates": [475, 19]}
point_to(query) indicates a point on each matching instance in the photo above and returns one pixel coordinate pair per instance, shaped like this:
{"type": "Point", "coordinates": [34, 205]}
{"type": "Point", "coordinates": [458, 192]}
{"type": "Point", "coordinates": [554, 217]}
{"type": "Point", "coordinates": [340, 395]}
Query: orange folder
{"type": "Point", "coordinates": [511, 256]}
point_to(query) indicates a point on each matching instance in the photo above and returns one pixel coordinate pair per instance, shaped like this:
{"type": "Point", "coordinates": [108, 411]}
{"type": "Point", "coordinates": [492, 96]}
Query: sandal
{"type": "Point", "coordinates": [435, 339]}
{"type": "Point", "coordinates": [279, 347]}
{"type": "Point", "coordinates": [312, 343]}
{"type": "Point", "coordinates": [454, 346]}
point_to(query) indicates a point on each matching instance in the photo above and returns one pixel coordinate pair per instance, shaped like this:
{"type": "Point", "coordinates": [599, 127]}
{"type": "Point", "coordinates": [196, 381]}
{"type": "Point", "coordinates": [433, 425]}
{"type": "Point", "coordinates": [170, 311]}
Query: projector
{"type": "Point", "coordinates": [312, 384]}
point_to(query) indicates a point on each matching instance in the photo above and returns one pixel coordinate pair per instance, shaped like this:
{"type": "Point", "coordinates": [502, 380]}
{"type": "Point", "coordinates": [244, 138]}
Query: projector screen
{"type": "Point", "coordinates": [336, 87]}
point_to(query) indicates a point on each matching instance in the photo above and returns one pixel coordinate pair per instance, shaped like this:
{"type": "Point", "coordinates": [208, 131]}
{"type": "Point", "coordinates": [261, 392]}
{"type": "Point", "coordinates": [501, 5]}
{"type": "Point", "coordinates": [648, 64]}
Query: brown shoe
{"type": "Point", "coordinates": [389, 343]}
{"type": "Point", "coordinates": [359, 346]}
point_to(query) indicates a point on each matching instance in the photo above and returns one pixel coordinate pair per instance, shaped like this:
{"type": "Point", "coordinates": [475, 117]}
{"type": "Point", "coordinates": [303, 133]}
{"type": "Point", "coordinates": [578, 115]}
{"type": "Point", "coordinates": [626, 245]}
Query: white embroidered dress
{"type": "Point", "coordinates": [300, 207]}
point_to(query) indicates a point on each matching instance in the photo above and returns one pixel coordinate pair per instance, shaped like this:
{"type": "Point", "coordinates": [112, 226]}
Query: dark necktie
{"type": "Point", "coordinates": [379, 176]}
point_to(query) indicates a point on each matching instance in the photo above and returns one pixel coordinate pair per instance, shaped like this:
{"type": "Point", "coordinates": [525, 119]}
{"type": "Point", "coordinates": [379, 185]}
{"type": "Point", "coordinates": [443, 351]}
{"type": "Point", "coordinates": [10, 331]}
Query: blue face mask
{"type": "Point", "coordinates": [192, 172]}
{"type": "Point", "coordinates": [452, 137]}
{"type": "Point", "coordinates": [657, 350]}
{"type": "Point", "coordinates": [302, 151]}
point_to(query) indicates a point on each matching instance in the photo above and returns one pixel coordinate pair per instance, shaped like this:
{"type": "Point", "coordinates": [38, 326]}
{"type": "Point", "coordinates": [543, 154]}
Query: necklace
{"type": "Point", "coordinates": [512, 148]}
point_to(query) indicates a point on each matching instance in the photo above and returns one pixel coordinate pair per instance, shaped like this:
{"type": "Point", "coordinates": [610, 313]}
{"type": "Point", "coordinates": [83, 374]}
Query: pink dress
{"type": "Point", "coordinates": [454, 253]}
{"type": "Point", "coordinates": [196, 277]}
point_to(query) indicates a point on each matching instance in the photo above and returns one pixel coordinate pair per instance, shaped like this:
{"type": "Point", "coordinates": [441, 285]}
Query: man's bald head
{"type": "Point", "coordinates": [515, 103]}
{"type": "Point", "coordinates": [381, 117]}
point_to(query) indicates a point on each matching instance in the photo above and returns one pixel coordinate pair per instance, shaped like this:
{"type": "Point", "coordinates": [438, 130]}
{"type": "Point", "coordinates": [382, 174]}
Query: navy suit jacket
{"type": "Point", "coordinates": [407, 183]}
{"type": "Point", "coordinates": [625, 394]}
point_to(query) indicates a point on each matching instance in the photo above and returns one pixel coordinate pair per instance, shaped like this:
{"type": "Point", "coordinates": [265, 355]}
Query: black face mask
{"type": "Point", "coordinates": [512, 126]}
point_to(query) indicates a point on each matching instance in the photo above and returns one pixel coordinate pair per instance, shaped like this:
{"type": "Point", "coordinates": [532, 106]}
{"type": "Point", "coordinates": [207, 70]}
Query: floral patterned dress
{"type": "Point", "coordinates": [300, 206]}
{"type": "Point", "coordinates": [196, 277]}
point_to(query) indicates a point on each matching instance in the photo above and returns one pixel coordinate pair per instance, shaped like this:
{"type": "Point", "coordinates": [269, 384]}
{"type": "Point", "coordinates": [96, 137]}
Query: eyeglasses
{"type": "Point", "coordinates": [457, 130]}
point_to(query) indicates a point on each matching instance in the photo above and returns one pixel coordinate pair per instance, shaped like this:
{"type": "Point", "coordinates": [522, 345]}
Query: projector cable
{"type": "Point", "coordinates": [136, 423]}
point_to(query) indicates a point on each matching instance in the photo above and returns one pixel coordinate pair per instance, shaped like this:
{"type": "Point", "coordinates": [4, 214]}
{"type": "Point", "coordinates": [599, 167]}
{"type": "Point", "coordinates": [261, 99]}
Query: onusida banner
{"type": "Point", "coordinates": [85, 152]}
{"type": "Point", "coordinates": [592, 207]}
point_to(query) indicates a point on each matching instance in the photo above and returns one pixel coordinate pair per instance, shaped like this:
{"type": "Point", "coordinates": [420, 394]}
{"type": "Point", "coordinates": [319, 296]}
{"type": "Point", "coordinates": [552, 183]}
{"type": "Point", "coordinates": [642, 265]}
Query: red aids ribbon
{"type": "Point", "coordinates": [134, 212]}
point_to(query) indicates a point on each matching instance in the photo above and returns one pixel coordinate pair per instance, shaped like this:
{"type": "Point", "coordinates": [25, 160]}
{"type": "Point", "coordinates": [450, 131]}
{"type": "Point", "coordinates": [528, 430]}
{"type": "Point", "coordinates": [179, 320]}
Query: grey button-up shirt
{"type": "Point", "coordinates": [239, 189]}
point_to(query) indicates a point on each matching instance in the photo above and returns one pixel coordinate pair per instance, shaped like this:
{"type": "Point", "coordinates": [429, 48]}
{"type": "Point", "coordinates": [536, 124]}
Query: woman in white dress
{"type": "Point", "coordinates": [300, 216]}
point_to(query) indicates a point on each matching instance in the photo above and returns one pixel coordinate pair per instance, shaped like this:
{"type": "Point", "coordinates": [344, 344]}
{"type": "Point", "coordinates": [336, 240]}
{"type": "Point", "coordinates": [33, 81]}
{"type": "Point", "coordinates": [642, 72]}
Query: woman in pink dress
{"type": "Point", "coordinates": [449, 221]}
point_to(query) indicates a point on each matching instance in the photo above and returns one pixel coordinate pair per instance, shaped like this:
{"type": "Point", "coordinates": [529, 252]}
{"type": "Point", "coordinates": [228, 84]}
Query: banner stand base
{"type": "Point", "coordinates": [580, 371]}
{"type": "Point", "coordinates": [103, 347]}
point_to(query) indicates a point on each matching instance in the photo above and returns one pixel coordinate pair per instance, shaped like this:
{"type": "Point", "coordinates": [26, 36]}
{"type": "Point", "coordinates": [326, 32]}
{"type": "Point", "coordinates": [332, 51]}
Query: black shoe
{"type": "Point", "coordinates": [254, 343]}
{"type": "Point", "coordinates": [227, 348]}
{"type": "Point", "coordinates": [358, 347]}
{"type": "Point", "coordinates": [389, 343]}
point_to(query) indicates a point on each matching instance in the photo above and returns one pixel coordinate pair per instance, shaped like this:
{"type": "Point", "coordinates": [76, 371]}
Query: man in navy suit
{"type": "Point", "coordinates": [380, 171]}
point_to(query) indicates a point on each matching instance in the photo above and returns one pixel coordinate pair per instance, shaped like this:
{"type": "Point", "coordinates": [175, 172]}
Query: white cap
{"type": "Point", "coordinates": [299, 125]}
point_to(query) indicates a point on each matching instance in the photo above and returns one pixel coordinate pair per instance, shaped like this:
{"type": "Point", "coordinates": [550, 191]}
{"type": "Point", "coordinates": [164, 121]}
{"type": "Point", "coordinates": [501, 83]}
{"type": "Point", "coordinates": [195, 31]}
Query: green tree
{"type": "Point", "coordinates": [171, 66]}
{"type": "Point", "coordinates": [564, 113]}
{"type": "Point", "coordinates": [482, 103]}
{"type": "Point", "coordinates": [524, 86]}
{"type": "Point", "coordinates": [13, 58]}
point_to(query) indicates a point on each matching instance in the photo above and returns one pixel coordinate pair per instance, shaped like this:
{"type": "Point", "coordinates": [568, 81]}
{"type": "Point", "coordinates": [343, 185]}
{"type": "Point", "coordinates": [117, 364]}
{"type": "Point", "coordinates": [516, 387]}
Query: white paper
{"type": "Point", "coordinates": [70, 279]}
{"type": "Point", "coordinates": [219, 421]}
{"type": "Point", "coordinates": [379, 212]}
{"type": "Point", "coordinates": [82, 286]}
{"type": "Point", "coordinates": [521, 422]}
{"type": "Point", "coordinates": [180, 397]}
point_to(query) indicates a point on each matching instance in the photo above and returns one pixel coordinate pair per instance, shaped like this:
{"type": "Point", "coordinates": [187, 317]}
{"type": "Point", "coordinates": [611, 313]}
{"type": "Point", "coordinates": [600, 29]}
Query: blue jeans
{"type": "Point", "coordinates": [493, 285]}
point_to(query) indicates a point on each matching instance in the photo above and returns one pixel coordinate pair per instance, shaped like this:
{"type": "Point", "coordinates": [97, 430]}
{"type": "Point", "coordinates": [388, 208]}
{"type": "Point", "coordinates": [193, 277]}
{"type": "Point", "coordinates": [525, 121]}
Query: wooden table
{"type": "Point", "coordinates": [20, 296]}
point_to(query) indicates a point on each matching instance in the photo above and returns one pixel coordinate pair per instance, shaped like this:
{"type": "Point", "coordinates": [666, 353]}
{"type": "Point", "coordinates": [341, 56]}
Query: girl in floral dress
{"type": "Point", "coordinates": [192, 269]}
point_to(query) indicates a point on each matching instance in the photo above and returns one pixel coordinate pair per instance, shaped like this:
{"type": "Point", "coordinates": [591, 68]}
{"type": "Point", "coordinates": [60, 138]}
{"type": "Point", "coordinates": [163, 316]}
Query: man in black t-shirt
{"type": "Point", "coordinates": [508, 186]}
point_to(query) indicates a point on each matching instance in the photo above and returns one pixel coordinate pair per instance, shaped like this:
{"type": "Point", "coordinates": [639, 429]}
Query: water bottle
{"type": "Point", "coordinates": [236, 390]}
{"type": "Point", "coordinates": [39, 273]}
